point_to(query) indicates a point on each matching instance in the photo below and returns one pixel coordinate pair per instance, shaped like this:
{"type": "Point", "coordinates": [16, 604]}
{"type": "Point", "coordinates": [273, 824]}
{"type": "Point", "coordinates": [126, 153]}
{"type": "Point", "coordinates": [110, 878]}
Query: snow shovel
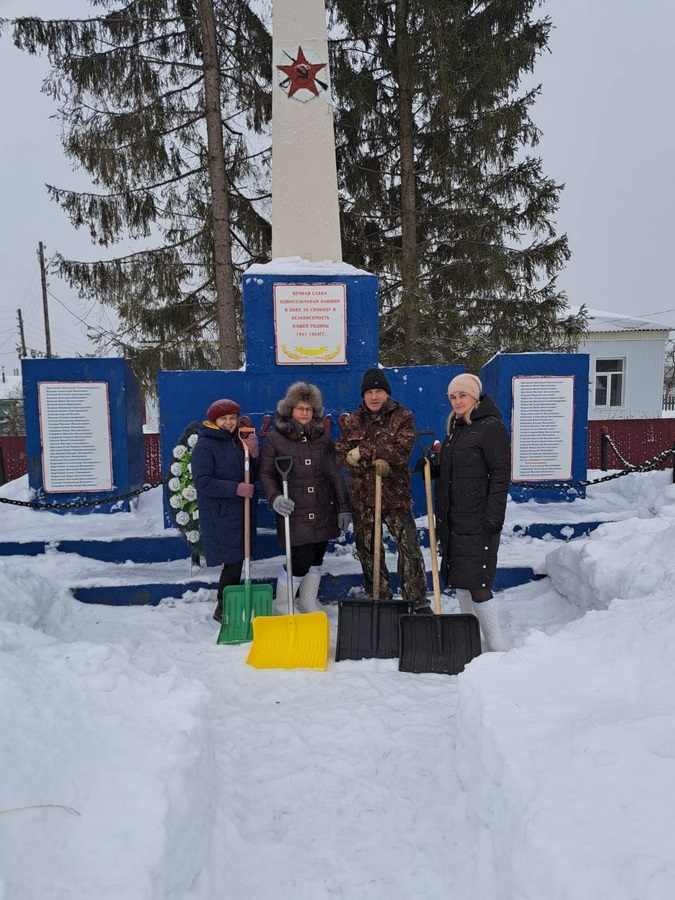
{"type": "Point", "coordinates": [439, 644]}
{"type": "Point", "coordinates": [292, 641]}
{"type": "Point", "coordinates": [369, 629]}
{"type": "Point", "coordinates": [243, 602]}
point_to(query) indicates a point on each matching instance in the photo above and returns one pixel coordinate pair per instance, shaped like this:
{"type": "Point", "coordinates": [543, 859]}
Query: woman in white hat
{"type": "Point", "coordinates": [471, 494]}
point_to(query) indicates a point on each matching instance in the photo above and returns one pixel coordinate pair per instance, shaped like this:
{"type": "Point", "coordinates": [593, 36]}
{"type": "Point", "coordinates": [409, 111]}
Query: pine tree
{"type": "Point", "coordinates": [442, 197]}
{"type": "Point", "coordinates": [158, 100]}
{"type": "Point", "coordinates": [14, 422]}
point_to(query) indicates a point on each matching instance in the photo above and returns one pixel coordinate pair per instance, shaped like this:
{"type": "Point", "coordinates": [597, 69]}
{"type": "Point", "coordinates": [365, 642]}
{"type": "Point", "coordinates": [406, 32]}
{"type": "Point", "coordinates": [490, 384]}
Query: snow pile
{"type": "Point", "coordinates": [628, 559]}
{"type": "Point", "coordinates": [96, 750]}
{"type": "Point", "coordinates": [565, 748]}
{"type": "Point", "coordinates": [565, 745]}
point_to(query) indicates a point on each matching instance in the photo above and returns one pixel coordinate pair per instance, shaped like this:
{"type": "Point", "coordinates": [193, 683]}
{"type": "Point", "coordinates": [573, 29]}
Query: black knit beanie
{"type": "Point", "coordinates": [374, 379]}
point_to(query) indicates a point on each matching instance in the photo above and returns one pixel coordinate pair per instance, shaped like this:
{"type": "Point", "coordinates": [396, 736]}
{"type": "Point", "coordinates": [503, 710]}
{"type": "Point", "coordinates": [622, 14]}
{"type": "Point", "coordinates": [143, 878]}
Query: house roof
{"type": "Point", "coordinates": [600, 320]}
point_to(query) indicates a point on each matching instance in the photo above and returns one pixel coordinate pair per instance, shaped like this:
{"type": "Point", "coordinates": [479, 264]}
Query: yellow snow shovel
{"type": "Point", "coordinates": [292, 641]}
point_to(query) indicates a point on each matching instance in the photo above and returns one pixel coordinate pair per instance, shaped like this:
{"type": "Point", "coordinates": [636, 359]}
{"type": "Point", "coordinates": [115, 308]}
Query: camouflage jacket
{"type": "Point", "coordinates": [390, 435]}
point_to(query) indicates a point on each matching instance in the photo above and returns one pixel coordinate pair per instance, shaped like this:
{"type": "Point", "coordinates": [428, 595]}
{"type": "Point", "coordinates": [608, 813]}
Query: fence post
{"type": "Point", "coordinates": [673, 455]}
{"type": "Point", "coordinates": [604, 443]}
{"type": "Point", "coordinates": [3, 478]}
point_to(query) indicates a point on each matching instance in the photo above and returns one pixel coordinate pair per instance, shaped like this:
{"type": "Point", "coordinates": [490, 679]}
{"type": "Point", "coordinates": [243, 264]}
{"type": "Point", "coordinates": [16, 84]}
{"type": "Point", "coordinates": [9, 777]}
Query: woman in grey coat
{"type": "Point", "coordinates": [317, 502]}
{"type": "Point", "coordinates": [471, 494]}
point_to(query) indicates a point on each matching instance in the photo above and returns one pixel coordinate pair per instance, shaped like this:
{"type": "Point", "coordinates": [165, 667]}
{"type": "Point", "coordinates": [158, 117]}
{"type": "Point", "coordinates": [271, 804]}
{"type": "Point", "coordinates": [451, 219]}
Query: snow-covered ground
{"type": "Point", "coordinates": [141, 761]}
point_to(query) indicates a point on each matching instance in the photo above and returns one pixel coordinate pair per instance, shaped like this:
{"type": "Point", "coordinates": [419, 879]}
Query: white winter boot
{"type": "Point", "coordinates": [489, 623]}
{"type": "Point", "coordinates": [280, 605]}
{"type": "Point", "coordinates": [465, 601]}
{"type": "Point", "coordinates": [308, 596]}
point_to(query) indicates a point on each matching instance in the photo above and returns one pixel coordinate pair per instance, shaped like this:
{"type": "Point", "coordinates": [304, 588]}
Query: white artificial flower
{"type": "Point", "coordinates": [176, 468]}
{"type": "Point", "coordinates": [195, 514]}
{"type": "Point", "coordinates": [192, 440]}
{"type": "Point", "coordinates": [189, 493]}
{"type": "Point", "coordinates": [179, 451]}
{"type": "Point", "coordinates": [174, 484]}
{"type": "Point", "coordinates": [175, 501]}
{"type": "Point", "coordinates": [192, 536]}
{"type": "Point", "coordinates": [182, 518]}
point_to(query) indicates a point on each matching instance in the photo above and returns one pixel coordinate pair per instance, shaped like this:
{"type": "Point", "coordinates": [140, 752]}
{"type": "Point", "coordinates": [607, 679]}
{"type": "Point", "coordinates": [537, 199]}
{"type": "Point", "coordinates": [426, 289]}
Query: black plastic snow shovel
{"type": "Point", "coordinates": [243, 602]}
{"type": "Point", "coordinates": [439, 644]}
{"type": "Point", "coordinates": [369, 629]}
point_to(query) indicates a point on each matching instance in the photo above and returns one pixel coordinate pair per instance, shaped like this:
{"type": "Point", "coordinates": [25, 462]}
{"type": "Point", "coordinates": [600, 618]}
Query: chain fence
{"type": "Point", "coordinates": [82, 504]}
{"type": "Point", "coordinates": [648, 466]}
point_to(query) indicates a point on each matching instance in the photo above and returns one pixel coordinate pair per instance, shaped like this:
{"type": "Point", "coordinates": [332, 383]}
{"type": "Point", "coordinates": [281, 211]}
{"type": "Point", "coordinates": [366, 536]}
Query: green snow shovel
{"type": "Point", "coordinates": [243, 602]}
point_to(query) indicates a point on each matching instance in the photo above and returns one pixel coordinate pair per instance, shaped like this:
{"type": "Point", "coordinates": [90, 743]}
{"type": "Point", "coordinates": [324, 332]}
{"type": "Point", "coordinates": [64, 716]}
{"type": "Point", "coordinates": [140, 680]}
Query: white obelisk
{"type": "Point", "coordinates": [305, 213]}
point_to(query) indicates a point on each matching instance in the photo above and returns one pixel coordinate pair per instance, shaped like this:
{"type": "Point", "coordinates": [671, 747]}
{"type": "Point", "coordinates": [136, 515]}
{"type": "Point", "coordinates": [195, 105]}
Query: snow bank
{"type": "Point", "coordinates": [102, 755]}
{"type": "Point", "coordinates": [617, 560]}
{"type": "Point", "coordinates": [554, 739]}
{"type": "Point", "coordinates": [565, 745]}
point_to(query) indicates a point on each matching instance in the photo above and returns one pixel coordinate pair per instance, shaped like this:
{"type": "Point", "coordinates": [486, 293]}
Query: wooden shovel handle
{"type": "Point", "coordinates": [432, 536]}
{"type": "Point", "coordinates": [377, 537]}
{"type": "Point", "coordinates": [247, 500]}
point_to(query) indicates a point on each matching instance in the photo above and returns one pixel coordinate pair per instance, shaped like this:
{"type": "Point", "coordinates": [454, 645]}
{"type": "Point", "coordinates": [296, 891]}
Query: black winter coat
{"type": "Point", "coordinates": [471, 494]}
{"type": "Point", "coordinates": [315, 483]}
{"type": "Point", "coordinates": [217, 468]}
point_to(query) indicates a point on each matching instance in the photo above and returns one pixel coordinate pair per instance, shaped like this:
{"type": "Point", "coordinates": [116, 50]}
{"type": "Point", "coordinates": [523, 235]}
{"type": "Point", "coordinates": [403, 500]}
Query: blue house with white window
{"type": "Point", "coordinates": [626, 362]}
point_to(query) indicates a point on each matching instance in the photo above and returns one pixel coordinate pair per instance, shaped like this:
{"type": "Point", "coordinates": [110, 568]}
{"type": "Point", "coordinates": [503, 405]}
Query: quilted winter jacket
{"type": "Point", "coordinates": [217, 468]}
{"type": "Point", "coordinates": [472, 489]}
{"type": "Point", "coordinates": [315, 483]}
{"type": "Point", "coordinates": [389, 435]}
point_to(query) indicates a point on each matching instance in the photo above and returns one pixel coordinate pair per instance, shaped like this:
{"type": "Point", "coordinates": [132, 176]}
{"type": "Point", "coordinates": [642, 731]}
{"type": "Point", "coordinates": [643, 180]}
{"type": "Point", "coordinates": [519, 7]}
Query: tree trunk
{"type": "Point", "coordinates": [228, 343]}
{"type": "Point", "coordinates": [409, 263]}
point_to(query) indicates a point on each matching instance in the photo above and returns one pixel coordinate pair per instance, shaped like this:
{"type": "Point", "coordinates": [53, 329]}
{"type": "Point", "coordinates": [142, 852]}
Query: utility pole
{"type": "Point", "coordinates": [24, 352]}
{"type": "Point", "coordinates": [45, 307]}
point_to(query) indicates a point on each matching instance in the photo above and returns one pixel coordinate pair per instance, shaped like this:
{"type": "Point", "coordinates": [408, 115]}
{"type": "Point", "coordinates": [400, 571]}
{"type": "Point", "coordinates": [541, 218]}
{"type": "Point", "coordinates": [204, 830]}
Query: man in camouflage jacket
{"type": "Point", "coordinates": [379, 437]}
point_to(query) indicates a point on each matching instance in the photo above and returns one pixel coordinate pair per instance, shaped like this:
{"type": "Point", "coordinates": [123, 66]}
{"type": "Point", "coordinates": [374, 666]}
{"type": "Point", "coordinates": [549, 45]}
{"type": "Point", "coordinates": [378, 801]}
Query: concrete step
{"type": "Point", "coordinates": [333, 587]}
{"type": "Point", "coordinates": [161, 584]}
{"type": "Point", "coordinates": [171, 547]}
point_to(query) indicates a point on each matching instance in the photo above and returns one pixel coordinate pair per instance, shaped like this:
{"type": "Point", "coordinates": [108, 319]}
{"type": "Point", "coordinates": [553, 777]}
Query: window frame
{"type": "Point", "coordinates": [609, 378]}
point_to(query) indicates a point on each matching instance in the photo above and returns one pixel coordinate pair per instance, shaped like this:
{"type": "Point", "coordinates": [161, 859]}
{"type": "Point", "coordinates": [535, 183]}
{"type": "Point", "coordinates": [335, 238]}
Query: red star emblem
{"type": "Point", "coordinates": [301, 75]}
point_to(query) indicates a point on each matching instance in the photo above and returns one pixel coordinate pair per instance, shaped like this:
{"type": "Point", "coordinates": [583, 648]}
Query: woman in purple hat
{"type": "Point", "coordinates": [218, 474]}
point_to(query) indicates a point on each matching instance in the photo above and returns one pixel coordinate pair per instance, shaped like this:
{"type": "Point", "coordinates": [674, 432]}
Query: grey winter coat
{"type": "Point", "coordinates": [471, 494]}
{"type": "Point", "coordinates": [315, 483]}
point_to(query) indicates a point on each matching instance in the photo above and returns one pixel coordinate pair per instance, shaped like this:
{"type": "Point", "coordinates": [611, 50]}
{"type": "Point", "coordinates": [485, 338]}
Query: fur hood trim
{"type": "Point", "coordinates": [294, 431]}
{"type": "Point", "coordinates": [301, 392]}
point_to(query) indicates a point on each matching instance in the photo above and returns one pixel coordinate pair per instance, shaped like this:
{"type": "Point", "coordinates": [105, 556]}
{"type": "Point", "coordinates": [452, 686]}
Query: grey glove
{"type": "Point", "coordinates": [382, 467]}
{"type": "Point", "coordinates": [344, 521]}
{"type": "Point", "coordinates": [354, 456]}
{"type": "Point", "coordinates": [284, 506]}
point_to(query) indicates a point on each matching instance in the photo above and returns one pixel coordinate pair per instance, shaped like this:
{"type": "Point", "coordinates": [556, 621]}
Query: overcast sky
{"type": "Point", "coordinates": [606, 114]}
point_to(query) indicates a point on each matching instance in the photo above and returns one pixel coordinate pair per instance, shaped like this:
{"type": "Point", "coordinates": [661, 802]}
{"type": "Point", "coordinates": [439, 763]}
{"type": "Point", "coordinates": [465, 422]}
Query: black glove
{"type": "Point", "coordinates": [419, 466]}
{"type": "Point", "coordinates": [492, 528]}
